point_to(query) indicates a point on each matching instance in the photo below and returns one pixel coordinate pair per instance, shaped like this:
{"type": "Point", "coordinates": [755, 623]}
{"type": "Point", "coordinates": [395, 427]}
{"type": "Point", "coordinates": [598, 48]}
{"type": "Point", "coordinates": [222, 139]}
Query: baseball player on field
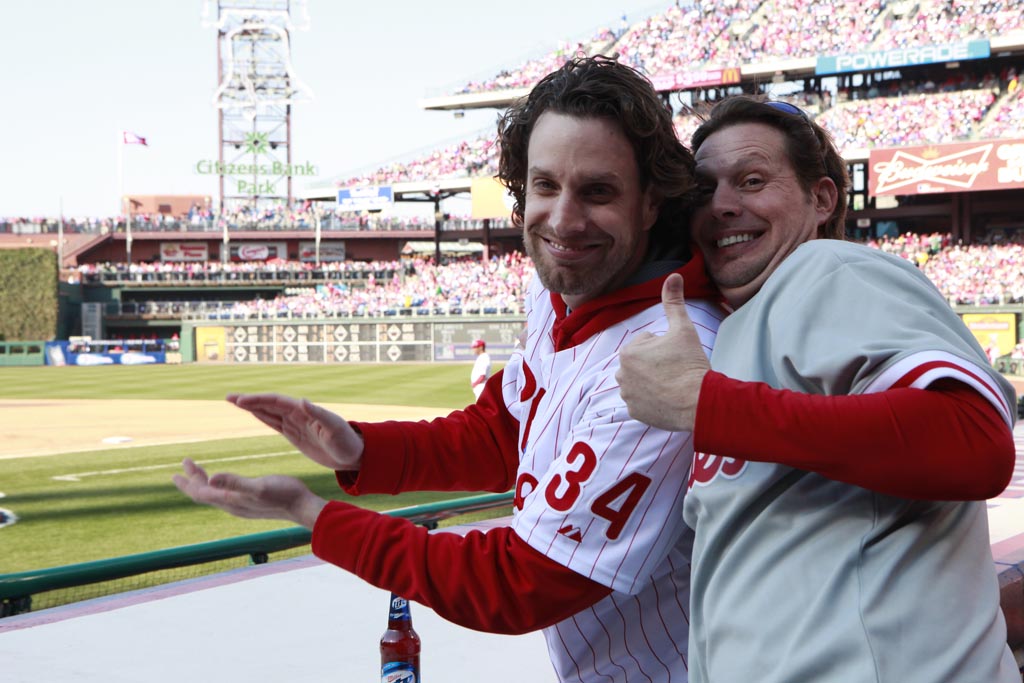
{"type": "Point", "coordinates": [481, 367]}
{"type": "Point", "coordinates": [847, 432]}
{"type": "Point", "coordinates": [597, 553]}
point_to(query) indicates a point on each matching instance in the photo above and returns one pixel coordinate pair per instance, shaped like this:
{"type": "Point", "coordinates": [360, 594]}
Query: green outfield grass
{"type": "Point", "coordinates": [93, 505]}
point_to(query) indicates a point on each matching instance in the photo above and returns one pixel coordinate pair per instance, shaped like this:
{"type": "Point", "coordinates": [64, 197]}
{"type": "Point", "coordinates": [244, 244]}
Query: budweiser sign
{"type": "Point", "coordinates": [959, 167]}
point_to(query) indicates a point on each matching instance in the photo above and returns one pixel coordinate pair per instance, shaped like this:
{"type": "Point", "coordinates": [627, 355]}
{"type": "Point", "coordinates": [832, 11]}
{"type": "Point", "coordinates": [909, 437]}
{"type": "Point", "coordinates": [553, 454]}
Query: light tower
{"type": "Point", "coordinates": [256, 87]}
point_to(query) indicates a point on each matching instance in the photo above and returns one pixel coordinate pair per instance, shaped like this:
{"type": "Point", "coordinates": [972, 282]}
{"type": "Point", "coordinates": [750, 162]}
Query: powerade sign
{"type": "Point", "coordinates": [364, 198]}
{"type": "Point", "coordinates": [909, 56]}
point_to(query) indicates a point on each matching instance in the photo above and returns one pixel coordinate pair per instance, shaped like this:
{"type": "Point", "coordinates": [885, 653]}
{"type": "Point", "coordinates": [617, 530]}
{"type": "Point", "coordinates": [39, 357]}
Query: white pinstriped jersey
{"type": "Point", "coordinates": [801, 578]}
{"type": "Point", "coordinates": [602, 495]}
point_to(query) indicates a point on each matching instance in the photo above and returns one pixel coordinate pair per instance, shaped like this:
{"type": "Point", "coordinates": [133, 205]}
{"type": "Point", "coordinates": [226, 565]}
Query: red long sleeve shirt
{"type": "Point", "coordinates": [496, 582]}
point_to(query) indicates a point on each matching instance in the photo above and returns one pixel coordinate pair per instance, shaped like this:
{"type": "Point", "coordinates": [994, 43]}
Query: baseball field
{"type": "Point", "coordinates": [87, 454]}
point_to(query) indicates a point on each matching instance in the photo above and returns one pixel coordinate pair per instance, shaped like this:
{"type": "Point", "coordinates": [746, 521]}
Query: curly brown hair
{"type": "Point", "coordinates": [600, 87]}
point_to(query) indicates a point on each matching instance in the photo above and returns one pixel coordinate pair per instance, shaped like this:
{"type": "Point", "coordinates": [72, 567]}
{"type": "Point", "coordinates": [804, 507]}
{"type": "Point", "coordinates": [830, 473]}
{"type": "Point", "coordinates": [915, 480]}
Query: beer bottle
{"type": "Point", "coordinates": [399, 646]}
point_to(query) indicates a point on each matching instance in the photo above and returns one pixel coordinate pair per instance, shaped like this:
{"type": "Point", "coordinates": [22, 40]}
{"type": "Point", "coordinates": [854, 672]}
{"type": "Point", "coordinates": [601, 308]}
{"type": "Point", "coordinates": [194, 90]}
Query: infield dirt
{"type": "Point", "coordinates": [32, 427]}
{"type": "Point", "coordinates": [45, 427]}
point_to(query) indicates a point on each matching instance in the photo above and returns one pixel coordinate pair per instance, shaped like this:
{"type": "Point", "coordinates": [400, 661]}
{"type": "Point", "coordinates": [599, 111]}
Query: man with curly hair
{"type": "Point", "coordinates": [596, 552]}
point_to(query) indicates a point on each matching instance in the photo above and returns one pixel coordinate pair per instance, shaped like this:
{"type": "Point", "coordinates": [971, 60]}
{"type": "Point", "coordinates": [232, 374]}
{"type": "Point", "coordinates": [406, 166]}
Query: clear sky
{"type": "Point", "coordinates": [75, 73]}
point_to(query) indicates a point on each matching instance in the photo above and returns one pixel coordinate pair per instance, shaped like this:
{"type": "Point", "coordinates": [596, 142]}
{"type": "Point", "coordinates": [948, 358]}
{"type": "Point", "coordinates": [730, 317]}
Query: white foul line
{"type": "Point", "coordinates": [78, 475]}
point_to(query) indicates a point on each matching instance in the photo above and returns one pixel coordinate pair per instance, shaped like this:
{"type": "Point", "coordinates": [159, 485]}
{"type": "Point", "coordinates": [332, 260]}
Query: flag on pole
{"type": "Point", "coordinates": [132, 139]}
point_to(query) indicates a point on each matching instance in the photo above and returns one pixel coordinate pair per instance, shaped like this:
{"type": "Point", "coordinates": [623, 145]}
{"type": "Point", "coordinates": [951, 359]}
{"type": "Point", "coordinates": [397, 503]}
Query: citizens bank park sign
{"type": "Point", "coordinates": [264, 176]}
{"type": "Point", "coordinates": [264, 173]}
{"type": "Point", "coordinates": [957, 167]}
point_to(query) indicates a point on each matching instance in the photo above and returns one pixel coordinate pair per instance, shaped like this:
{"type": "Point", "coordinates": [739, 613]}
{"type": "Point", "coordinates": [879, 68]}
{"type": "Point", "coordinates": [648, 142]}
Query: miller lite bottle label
{"type": "Point", "coordinates": [400, 645]}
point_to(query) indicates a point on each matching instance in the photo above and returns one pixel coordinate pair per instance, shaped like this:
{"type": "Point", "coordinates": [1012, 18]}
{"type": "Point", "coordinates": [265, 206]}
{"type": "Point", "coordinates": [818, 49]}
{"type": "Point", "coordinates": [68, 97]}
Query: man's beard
{"type": "Point", "coordinates": [587, 280]}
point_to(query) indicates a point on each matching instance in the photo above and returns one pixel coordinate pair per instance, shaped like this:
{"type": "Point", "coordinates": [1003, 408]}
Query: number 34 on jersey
{"type": "Point", "coordinates": [614, 505]}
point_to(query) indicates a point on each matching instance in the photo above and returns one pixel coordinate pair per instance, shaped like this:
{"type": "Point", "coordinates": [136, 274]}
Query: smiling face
{"type": "Point", "coordinates": [753, 211]}
{"type": "Point", "coordinates": [586, 220]}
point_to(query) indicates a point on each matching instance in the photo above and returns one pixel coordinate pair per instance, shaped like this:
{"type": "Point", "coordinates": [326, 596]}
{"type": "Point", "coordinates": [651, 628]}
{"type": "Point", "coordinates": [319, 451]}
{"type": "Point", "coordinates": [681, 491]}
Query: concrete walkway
{"type": "Point", "coordinates": [294, 620]}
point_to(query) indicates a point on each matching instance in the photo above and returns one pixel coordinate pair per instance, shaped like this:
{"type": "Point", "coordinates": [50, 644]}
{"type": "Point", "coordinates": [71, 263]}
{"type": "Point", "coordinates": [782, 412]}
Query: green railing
{"type": "Point", "coordinates": [17, 589]}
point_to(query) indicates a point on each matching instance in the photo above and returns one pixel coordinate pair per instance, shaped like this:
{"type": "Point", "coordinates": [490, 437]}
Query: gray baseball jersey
{"type": "Point", "coordinates": [800, 578]}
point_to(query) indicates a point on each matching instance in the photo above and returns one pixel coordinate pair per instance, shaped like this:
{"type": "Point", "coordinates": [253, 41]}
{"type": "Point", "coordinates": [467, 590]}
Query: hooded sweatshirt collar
{"type": "Point", "coordinates": [601, 313]}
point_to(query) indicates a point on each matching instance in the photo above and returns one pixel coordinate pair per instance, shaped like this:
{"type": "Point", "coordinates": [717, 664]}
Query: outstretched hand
{"type": "Point", "coordinates": [322, 436]}
{"type": "Point", "coordinates": [660, 376]}
{"type": "Point", "coordinates": [271, 497]}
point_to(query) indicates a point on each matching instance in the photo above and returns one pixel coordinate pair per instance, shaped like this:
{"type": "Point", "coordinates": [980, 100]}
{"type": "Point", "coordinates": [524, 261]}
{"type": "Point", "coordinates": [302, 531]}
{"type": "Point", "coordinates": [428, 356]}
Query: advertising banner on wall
{"type": "Point", "coordinates": [907, 56]}
{"type": "Point", "coordinates": [84, 351]}
{"type": "Point", "coordinates": [687, 80]}
{"type": "Point", "coordinates": [210, 344]}
{"type": "Point", "coordinates": [259, 251]}
{"type": "Point", "coordinates": [954, 167]}
{"type": "Point", "coordinates": [489, 199]}
{"type": "Point", "coordinates": [364, 198]}
{"type": "Point", "coordinates": [993, 330]}
{"type": "Point", "coordinates": [330, 250]}
{"type": "Point", "coordinates": [184, 251]}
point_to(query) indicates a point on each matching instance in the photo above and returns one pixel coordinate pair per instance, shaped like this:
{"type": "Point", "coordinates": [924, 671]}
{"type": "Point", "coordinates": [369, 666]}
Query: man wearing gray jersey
{"type": "Point", "coordinates": [846, 417]}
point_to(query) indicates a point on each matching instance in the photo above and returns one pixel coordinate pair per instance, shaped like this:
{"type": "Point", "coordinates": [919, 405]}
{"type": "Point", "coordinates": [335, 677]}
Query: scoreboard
{"type": "Point", "coordinates": [355, 342]}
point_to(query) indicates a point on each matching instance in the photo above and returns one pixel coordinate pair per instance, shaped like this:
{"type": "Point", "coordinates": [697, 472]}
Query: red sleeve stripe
{"type": "Point", "coordinates": [921, 369]}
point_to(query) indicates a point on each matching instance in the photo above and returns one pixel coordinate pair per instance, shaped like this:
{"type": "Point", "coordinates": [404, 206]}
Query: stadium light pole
{"type": "Point", "coordinates": [60, 236]}
{"type": "Point", "coordinates": [436, 196]}
{"type": "Point", "coordinates": [126, 206]}
{"type": "Point", "coordinates": [318, 228]}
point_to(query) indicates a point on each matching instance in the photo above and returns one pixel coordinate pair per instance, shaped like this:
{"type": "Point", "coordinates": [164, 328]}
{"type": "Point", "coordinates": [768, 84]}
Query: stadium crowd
{"type": "Point", "coordinates": [979, 274]}
{"type": "Point", "coordinates": [686, 36]}
{"type": "Point", "coordinates": [176, 271]}
{"type": "Point", "coordinates": [940, 22]}
{"type": "Point", "coordinates": [895, 112]}
{"type": "Point", "coordinates": [695, 34]}
{"type": "Point", "coordinates": [876, 115]}
{"type": "Point", "coordinates": [297, 219]}
{"type": "Point", "coordinates": [1006, 122]}
{"type": "Point", "coordinates": [469, 158]}
{"type": "Point", "coordinates": [536, 68]}
{"type": "Point", "coordinates": [497, 286]}
{"type": "Point", "coordinates": [907, 119]}
{"type": "Point", "coordinates": [976, 274]}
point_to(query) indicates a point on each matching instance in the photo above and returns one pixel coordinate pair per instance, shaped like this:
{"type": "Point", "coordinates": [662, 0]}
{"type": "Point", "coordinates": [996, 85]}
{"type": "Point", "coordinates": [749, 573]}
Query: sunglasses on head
{"type": "Point", "coordinates": [788, 108]}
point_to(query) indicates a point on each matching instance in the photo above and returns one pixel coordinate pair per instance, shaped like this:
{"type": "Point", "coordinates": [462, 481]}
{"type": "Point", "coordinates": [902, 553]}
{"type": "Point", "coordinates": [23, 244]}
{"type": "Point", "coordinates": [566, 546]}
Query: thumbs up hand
{"type": "Point", "coordinates": [660, 376]}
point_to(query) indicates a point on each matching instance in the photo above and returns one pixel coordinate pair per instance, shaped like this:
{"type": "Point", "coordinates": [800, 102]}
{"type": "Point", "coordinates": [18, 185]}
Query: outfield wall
{"type": "Point", "coordinates": [387, 340]}
{"type": "Point", "coordinates": [22, 353]}
{"type": "Point", "coordinates": [409, 336]}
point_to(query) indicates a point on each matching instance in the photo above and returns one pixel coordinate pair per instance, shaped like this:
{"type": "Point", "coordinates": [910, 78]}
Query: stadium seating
{"type": "Point", "coordinates": [983, 274]}
{"type": "Point", "coordinates": [244, 272]}
{"type": "Point", "coordinates": [1007, 117]}
{"type": "Point", "coordinates": [476, 157]}
{"type": "Point", "coordinates": [939, 21]}
{"type": "Point", "coordinates": [336, 221]}
{"type": "Point", "coordinates": [685, 35]}
{"type": "Point", "coordinates": [978, 274]}
{"type": "Point", "coordinates": [534, 69]}
{"type": "Point", "coordinates": [333, 289]}
{"type": "Point", "coordinates": [908, 119]}
{"type": "Point", "coordinates": [691, 35]}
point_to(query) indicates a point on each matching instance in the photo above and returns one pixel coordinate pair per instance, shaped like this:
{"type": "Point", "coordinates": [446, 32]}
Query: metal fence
{"type": "Point", "coordinates": [33, 590]}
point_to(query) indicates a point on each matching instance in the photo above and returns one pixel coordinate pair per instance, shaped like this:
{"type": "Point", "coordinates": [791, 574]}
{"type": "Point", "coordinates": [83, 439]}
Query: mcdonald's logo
{"type": "Point", "coordinates": [730, 75]}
